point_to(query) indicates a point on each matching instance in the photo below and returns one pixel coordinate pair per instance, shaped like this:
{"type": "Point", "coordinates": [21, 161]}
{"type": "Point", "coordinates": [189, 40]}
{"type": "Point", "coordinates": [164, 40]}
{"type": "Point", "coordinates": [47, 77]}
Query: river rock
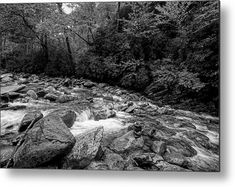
{"type": "Point", "coordinates": [98, 166]}
{"type": "Point", "coordinates": [32, 94]}
{"type": "Point", "coordinates": [48, 138]}
{"type": "Point", "coordinates": [114, 161]}
{"type": "Point", "coordinates": [88, 84]}
{"type": "Point", "coordinates": [28, 118]}
{"type": "Point", "coordinates": [51, 97]}
{"type": "Point", "coordinates": [159, 147]}
{"type": "Point", "coordinates": [41, 93]}
{"type": "Point", "coordinates": [68, 116]}
{"type": "Point", "coordinates": [180, 146]}
{"type": "Point", "coordinates": [165, 166]}
{"type": "Point", "coordinates": [177, 159]}
{"type": "Point", "coordinates": [127, 143]}
{"type": "Point", "coordinates": [12, 88]}
{"type": "Point", "coordinates": [65, 98]}
{"type": "Point", "coordinates": [7, 77]}
{"type": "Point", "coordinates": [104, 114]}
{"type": "Point", "coordinates": [85, 149]}
{"type": "Point", "coordinates": [6, 152]}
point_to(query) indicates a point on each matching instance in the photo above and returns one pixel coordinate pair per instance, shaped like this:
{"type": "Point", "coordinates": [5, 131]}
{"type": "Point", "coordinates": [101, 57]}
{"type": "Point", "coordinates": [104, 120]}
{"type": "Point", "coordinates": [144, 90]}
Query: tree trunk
{"type": "Point", "coordinates": [118, 16]}
{"type": "Point", "coordinates": [67, 42]}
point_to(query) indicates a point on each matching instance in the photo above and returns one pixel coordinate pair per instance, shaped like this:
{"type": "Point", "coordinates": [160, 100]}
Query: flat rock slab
{"type": "Point", "coordinates": [47, 139]}
{"type": "Point", "coordinates": [12, 88]}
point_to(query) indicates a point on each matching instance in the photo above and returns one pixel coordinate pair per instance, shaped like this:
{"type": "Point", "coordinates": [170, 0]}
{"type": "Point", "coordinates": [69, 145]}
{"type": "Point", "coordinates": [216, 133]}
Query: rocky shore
{"type": "Point", "coordinates": [68, 123]}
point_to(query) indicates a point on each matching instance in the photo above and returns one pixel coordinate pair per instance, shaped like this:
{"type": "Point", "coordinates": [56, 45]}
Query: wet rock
{"type": "Point", "coordinates": [185, 124]}
{"type": "Point", "coordinates": [23, 81]}
{"type": "Point", "coordinates": [133, 168]}
{"type": "Point", "coordinates": [165, 166]}
{"type": "Point", "coordinates": [41, 93]}
{"type": "Point", "coordinates": [3, 105]}
{"type": "Point", "coordinates": [98, 166]}
{"type": "Point", "coordinates": [47, 139]}
{"type": "Point", "coordinates": [28, 118]}
{"type": "Point", "coordinates": [88, 84]}
{"type": "Point", "coordinates": [114, 161]}
{"type": "Point", "coordinates": [180, 146]}
{"type": "Point", "coordinates": [177, 159]}
{"type": "Point", "coordinates": [144, 161]}
{"type": "Point", "coordinates": [67, 82]}
{"type": "Point", "coordinates": [65, 98]}
{"type": "Point", "coordinates": [51, 97]}
{"type": "Point", "coordinates": [32, 94]}
{"type": "Point", "coordinates": [17, 107]}
{"type": "Point", "coordinates": [68, 116]}
{"type": "Point", "coordinates": [6, 152]}
{"type": "Point", "coordinates": [85, 149]}
{"type": "Point", "coordinates": [50, 89]}
{"type": "Point", "coordinates": [12, 88]}
{"type": "Point", "coordinates": [127, 143]}
{"type": "Point", "coordinates": [8, 97]}
{"type": "Point", "coordinates": [7, 77]}
{"type": "Point", "coordinates": [104, 114]}
{"type": "Point", "coordinates": [159, 147]}
{"type": "Point", "coordinates": [130, 109]}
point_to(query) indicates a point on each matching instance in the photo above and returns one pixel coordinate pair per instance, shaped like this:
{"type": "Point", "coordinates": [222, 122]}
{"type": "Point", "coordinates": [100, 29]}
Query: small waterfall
{"type": "Point", "coordinates": [84, 116]}
{"type": "Point", "coordinates": [85, 121]}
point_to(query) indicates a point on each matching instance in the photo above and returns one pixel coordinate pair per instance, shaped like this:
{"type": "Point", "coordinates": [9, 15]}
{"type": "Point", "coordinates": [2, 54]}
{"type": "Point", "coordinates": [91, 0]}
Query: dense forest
{"type": "Point", "coordinates": [168, 51]}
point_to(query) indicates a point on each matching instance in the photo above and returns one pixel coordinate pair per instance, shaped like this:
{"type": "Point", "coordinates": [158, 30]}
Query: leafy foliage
{"type": "Point", "coordinates": [167, 50]}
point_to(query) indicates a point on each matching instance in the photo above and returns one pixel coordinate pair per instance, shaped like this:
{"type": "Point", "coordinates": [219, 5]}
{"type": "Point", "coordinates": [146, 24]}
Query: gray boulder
{"type": "Point", "coordinates": [68, 116]}
{"type": "Point", "coordinates": [114, 161]}
{"type": "Point", "coordinates": [28, 118]}
{"type": "Point", "coordinates": [127, 143]}
{"type": "Point", "coordinates": [48, 139]}
{"type": "Point", "coordinates": [51, 97]}
{"type": "Point", "coordinates": [85, 149]}
{"type": "Point", "coordinates": [32, 94]}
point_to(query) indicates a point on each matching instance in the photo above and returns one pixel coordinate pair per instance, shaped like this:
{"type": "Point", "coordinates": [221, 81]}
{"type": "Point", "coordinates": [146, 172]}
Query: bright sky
{"type": "Point", "coordinates": [67, 9]}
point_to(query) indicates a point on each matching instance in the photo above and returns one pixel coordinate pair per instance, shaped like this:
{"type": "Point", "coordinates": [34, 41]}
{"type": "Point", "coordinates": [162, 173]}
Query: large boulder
{"type": "Point", "coordinates": [28, 118]}
{"type": "Point", "coordinates": [68, 116]}
{"type": "Point", "coordinates": [47, 139]}
{"type": "Point", "coordinates": [85, 150]}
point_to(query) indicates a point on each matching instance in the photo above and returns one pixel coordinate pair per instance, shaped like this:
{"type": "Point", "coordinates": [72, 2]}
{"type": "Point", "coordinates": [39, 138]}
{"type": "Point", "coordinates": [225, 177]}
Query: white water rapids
{"type": "Point", "coordinates": [84, 120]}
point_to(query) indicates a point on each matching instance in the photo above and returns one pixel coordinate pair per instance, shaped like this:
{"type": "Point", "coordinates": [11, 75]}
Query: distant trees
{"type": "Point", "coordinates": [168, 50]}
